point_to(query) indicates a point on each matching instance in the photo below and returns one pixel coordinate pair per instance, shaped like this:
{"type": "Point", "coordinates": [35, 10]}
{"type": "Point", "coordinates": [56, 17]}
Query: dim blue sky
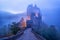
{"type": "Point", "coordinates": [16, 6]}
{"type": "Point", "coordinates": [50, 9]}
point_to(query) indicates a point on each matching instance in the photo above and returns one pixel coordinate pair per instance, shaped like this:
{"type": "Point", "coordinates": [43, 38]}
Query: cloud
{"type": "Point", "coordinates": [21, 5]}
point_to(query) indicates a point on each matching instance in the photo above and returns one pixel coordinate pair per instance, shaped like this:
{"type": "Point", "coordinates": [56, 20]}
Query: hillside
{"type": "Point", "coordinates": [7, 18]}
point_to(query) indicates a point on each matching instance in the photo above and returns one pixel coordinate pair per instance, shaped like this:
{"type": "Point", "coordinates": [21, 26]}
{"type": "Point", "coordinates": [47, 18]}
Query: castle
{"type": "Point", "coordinates": [33, 12]}
{"type": "Point", "coordinates": [33, 16]}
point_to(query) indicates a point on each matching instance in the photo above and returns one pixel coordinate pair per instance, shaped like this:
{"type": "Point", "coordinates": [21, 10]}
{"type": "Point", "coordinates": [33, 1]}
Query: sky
{"type": "Point", "coordinates": [50, 9]}
{"type": "Point", "coordinates": [19, 6]}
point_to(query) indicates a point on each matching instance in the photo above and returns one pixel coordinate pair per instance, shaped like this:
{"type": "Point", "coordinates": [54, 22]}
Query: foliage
{"type": "Point", "coordinates": [14, 28]}
{"type": "Point", "coordinates": [50, 33]}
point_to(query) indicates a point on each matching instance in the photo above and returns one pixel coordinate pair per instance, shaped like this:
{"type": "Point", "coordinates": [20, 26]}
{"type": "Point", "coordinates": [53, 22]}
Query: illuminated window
{"type": "Point", "coordinates": [28, 18]}
{"type": "Point", "coordinates": [36, 14]}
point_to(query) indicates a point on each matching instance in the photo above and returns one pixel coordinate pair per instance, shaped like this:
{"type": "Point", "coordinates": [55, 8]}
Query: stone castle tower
{"type": "Point", "coordinates": [35, 14]}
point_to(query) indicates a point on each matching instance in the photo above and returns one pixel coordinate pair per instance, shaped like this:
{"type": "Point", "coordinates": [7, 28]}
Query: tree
{"type": "Point", "coordinates": [14, 28]}
{"type": "Point", "coordinates": [52, 33]}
